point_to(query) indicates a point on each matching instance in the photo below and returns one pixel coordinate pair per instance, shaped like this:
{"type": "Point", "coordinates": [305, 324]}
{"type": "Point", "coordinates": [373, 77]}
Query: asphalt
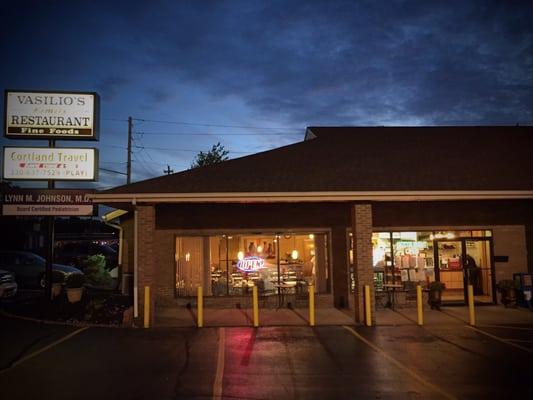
{"type": "Point", "coordinates": [395, 360]}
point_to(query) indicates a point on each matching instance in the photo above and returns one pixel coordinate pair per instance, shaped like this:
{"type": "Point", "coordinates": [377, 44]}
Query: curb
{"type": "Point", "coordinates": [63, 323]}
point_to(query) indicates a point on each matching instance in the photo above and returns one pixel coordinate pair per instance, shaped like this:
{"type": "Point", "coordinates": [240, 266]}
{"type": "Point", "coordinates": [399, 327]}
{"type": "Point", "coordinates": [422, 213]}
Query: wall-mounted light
{"type": "Point", "coordinates": [311, 236]}
{"type": "Point", "coordinates": [187, 257]}
{"type": "Point", "coordinates": [240, 255]}
{"type": "Point", "coordinates": [294, 254]}
{"type": "Point", "coordinates": [259, 249]}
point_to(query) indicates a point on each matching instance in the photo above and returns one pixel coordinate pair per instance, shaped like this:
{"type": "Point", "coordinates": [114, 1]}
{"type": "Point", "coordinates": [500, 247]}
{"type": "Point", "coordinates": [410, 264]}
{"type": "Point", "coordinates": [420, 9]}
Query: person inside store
{"type": "Point", "coordinates": [472, 272]}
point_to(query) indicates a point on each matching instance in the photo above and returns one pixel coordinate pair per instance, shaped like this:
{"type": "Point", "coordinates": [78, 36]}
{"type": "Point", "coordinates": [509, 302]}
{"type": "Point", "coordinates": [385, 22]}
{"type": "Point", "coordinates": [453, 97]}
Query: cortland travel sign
{"type": "Point", "coordinates": [51, 115]}
{"type": "Point", "coordinates": [50, 163]}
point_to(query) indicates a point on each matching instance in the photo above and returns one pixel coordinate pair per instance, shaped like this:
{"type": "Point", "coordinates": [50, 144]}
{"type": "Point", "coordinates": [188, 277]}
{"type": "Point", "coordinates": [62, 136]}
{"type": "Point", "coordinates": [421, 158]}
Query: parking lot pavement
{"type": "Point", "coordinates": [343, 362]}
{"type": "Point", "coordinates": [19, 338]}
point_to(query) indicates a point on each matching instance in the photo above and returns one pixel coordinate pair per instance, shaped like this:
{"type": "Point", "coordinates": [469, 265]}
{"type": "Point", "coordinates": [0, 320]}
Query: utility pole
{"type": "Point", "coordinates": [130, 128]}
{"type": "Point", "coordinates": [168, 171]}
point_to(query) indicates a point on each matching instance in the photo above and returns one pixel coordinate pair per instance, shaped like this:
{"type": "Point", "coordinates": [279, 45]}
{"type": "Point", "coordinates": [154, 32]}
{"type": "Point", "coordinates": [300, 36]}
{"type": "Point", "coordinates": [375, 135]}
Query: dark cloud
{"type": "Point", "coordinates": [278, 63]}
{"type": "Point", "coordinates": [110, 87]}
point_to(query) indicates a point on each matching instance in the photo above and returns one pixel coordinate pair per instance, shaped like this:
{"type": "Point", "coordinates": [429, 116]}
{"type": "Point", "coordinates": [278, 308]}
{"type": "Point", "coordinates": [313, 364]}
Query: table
{"type": "Point", "coordinates": [391, 292]}
{"type": "Point", "coordinates": [284, 289]}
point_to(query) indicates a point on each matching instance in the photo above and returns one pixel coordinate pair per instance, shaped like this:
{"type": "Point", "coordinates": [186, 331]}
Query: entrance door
{"type": "Point", "coordinates": [462, 262]}
{"type": "Point", "coordinates": [451, 270]}
{"type": "Point", "coordinates": [477, 265]}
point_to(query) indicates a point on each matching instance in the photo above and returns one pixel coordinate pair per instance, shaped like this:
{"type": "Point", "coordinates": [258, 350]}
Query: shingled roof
{"type": "Point", "coordinates": [369, 159]}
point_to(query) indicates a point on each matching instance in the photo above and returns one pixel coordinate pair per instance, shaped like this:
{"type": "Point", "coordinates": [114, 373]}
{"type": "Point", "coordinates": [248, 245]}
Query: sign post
{"type": "Point", "coordinates": [50, 115]}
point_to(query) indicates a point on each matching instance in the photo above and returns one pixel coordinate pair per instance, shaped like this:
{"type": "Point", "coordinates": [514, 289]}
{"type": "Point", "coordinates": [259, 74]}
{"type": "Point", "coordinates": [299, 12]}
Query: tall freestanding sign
{"type": "Point", "coordinates": [49, 115]}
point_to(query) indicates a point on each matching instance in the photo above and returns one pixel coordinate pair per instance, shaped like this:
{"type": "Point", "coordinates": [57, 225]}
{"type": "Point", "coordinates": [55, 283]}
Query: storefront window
{"type": "Point", "coordinates": [232, 264]}
{"type": "Point", "coordinates": [413, 258]}
{"type": "Point", "coordinates": [407, 258]}
{"type": "Point", "coordinates": [381, 258]}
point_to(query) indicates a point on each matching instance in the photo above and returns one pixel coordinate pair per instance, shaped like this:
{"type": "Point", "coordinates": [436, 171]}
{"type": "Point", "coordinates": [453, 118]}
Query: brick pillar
{"type": "Point", "coordinates": [363, 270]}
{"type": "Point", "coordinates": [146, 262]}
{"type": "Point", "coordinates": [339, 253]}
{"type": "Point", "coordinates": [165, 248]}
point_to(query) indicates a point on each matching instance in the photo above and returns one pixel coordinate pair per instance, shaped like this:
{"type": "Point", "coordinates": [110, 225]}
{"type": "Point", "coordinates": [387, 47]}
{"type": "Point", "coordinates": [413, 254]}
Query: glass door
{"type": "Point", "coordinates": [477, 265]}
{"type": "Point", "coordinates": [451, 270]}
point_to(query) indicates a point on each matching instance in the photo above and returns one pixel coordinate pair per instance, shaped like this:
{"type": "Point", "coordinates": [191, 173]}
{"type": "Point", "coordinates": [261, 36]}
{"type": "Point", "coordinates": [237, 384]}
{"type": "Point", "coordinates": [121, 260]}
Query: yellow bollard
{"type": "Point", "coordinates": [147, 306]}
{"type": "Point", "coordinates": [368, 315]}
{"type": "Point", "coordinates": [419, 305]}
{"type": "Point", "coordinates": [255, 305]}
{"type": "Point", "coordinates": [471, 305]}
{"type": "Point", "coordinates": [200, 316]}
{"type": "Point", "coordinates": [311, 305]}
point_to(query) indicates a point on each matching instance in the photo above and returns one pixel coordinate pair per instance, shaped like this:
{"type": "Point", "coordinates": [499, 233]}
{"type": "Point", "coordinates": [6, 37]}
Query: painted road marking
{"type": "Point", "coordinates": [499, 339]}
{"type": "Point", "coordinates": [217, 384]}
{"type": "Point", "coordinates": [401, 366]}
{"type": "Point", "coordinates": [45, 348]}
{"type": "Point", "coordinates": [520, 328]}
{"type": "Point", "coordinates": [520, 340]}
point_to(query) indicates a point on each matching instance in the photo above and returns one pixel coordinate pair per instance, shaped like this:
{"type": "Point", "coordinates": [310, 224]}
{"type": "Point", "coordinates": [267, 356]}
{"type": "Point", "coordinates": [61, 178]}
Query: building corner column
{"type": "Point", "coordinates": [146, 259]}
{"type": "Point", "coordinates": [363, 270]}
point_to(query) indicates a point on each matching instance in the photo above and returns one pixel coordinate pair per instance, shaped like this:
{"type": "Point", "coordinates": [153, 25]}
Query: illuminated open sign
{"type": "Point", "coordinates": [250, 264]}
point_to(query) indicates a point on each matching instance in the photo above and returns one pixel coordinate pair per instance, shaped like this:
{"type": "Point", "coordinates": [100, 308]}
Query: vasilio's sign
{"type": "Point", "coordinates": [51, 115]}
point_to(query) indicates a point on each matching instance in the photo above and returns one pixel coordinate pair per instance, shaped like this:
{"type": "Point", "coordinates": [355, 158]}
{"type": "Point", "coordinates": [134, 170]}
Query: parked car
{"type": "Point", "coordinates": [8, 286]}
{"type": "Point", "coordinates": [74, 253]}
{"type": "Point", "coordinates": [28, 268]}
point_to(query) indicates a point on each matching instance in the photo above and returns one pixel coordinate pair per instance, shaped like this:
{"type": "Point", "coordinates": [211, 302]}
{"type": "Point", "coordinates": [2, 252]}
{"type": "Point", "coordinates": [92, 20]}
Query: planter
{"type": "Point", "coordinates": [509, 297]}
{"type": "Point", "coordinates": [56, 289]}
{"type": "Point", "coordinates": [435, 299]}
{"type": "Point", "coordinates": [74, 294]}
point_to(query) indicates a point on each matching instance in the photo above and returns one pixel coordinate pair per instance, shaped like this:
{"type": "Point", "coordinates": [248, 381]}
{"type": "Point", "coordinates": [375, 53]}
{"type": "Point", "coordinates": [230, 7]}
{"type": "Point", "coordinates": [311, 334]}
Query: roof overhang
{"type": "Point", "coordinates": [110, 216]}
{"type": "Point", "coordinates": [276, 197]}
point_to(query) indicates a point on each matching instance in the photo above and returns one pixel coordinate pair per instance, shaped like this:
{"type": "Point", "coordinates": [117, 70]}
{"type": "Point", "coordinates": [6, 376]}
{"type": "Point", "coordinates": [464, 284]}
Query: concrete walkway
{"type": "Point", "coordinates": [486, 315]}
{"type": "Point", "coordinates": [184, 317]}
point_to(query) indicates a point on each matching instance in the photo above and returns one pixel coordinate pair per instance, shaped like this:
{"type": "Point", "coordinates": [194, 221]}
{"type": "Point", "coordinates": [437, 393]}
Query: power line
{"type": "Point", "coordinates": [214, 134]}
{"type": "Point", "coordinates": [111, 171]}
{"type": "Point", "coordinates": [187, 150]}
{"type": "Point", "coordinates": [214, 125]}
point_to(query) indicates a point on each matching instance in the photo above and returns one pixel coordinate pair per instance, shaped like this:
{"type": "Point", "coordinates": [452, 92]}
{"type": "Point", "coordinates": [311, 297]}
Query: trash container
{"type": "Point", "coordinates": [525, 283]}
{"type": "Point", "coordinates": [127, 284]}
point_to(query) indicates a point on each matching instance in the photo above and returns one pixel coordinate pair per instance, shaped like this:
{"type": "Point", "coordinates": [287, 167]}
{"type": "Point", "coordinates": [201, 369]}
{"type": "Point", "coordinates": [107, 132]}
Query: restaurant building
{"type": "Point", "coordinates": [344, 208]}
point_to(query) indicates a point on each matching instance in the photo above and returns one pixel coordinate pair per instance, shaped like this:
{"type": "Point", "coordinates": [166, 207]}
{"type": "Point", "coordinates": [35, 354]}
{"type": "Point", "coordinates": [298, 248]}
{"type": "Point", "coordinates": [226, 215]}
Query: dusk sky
{"type": "Point", "coordinates": [253, 75]}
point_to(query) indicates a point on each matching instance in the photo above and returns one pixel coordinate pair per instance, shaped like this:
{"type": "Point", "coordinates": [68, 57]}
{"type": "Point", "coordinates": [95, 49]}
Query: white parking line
{"type": "Point", "coordinates": [217, 384]}
{"type": "Point", "coordinates": [499, 339]}
{"type": "Point", "coordinates": [520, 340]}
{"type": "Point", "coordinates": [519, 328]}
{"type": "Point", "coordinates": [401, 366]}
{"type": "Point", "coordinates": [45, 348]}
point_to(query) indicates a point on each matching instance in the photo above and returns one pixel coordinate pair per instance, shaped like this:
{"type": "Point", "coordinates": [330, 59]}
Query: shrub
{"type": "Point", "coordinates": [75, 280]}
{"type": "Point", "coordinates": [96, 272]}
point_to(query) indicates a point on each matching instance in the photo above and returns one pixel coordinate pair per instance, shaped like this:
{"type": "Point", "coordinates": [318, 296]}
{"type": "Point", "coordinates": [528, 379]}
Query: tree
{"type": "Point", "coordinates": [215, 155]}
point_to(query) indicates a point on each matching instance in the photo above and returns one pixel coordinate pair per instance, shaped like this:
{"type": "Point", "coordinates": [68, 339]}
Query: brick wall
{"type": "Point", "coordinates": [165, 249]}
{"type": "Point", "coordinates": [146, 257]}
{"type": "Point", "coordinates": [364, 273]}
{"type": "Point", "coordinates": [339, 267]}
{"type": "Point", "coordinates": [510, 241]}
